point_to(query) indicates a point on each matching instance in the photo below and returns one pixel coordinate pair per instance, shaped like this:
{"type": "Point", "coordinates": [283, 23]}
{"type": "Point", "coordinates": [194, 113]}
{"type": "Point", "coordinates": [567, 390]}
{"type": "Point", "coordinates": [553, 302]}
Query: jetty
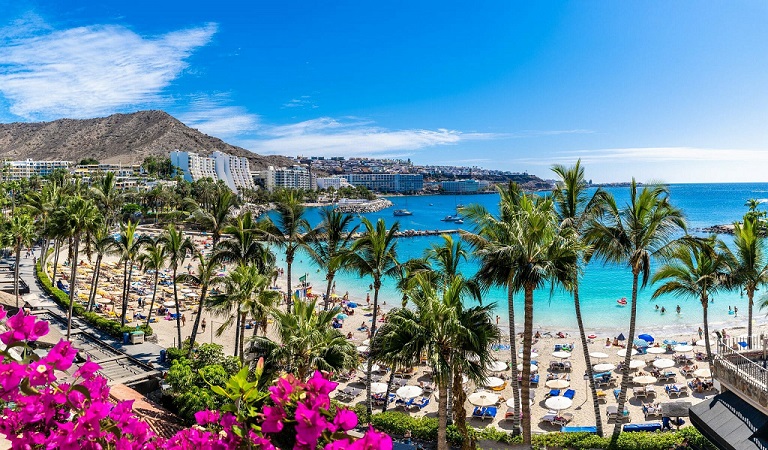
{"type": "Point", "coordinates": [358, 206]}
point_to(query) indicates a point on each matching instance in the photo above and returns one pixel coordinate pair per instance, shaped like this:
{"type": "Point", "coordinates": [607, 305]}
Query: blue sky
{"type": "Point", "coordinates": [668, 91]}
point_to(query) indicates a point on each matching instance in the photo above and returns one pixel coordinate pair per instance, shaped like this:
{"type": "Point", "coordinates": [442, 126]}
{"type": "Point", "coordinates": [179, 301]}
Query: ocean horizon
{"type": "Point", "coordinates": [601, 285]}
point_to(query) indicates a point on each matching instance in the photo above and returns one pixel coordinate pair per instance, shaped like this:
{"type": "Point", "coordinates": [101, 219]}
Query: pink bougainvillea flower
{"type": "Point", "coordinates": [310, 424]}
{"type": "Point", "coordinates": [23, 328]}
{"type": "Point", "coordinates": [344, 420]}
{"type": "Point", "coordinates": [273, 417]}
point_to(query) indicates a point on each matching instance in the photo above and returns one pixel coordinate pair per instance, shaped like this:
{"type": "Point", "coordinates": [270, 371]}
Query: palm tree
{"type": "Point", "coordinates": [374, 254]}
{"type": "Point", "coordinates": [129, 247]}
{"type": "Point", "coordinates": [22, 233]}
{"type": "Point", "coordinates": [178, 247]}
{"type": "Point", "coordinates": [287, 231]}
{"type": "Point", "coordinates": [445, 258]}
{"type": "Point", "coordinates": [215, 220]}
{"type": "Point", "coordinates": [306, 342]}
{"type": "Point", "coordinates": [204, 276]}
{"type": "Point", "coordinates": [41, 204]}
{"type": "Point", "coordinates": [153, 258]}
{"type": "Point", "coordinates": [695, 270]}
{"type": "Point", "coordinates": [330, 244]}
{"type": "Point", "coordinates": [79, 216]}
{"type": "Point", "coordinates": [107, 196]}
{"type": "Point", "coordinates": [493, 239]}
{"type": "Point", "coordinates": [634, 235]}
{"type": "Point", "coordinates": [242, 247]}
{"type": "Point", "coordinates": [102, 243]}
{"type": "Point", "coordinates": [575, 209]}
{"type": "Point", "coordinates": [748, 262]}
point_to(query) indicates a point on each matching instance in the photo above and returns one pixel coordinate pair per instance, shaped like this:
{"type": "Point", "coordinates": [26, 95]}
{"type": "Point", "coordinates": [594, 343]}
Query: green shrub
{"type": "Point", "coordinates": [108, 326]}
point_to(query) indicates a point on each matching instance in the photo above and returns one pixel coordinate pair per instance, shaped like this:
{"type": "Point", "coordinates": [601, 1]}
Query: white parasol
{"type": "Point", "coordinates": [408, 392]}
{"type": "Point", "coordinates": [483, 399]}
{"type": "Point", "coordinates": [558, 403]}
{"type": "Point", "coordinates": [645, 379]}
{"type": "Point", "coordinates": [656, 350]}
{"type": "Point", "coordinates": [703, 373]}
{"type": "Point", "coordinates": [604, 367]}
{"type": "Point", "coordinates": [497, 366]}
{"type": "Point", "coordinates": [169, 304]}
{"type": "Point", "coordinates": [598, 355]}
{"type": "Point", "coordinates": [534, 368]}
{"type": "Point", "coordinates": [493, 382]}
{"type": "Point", "coordinates": [362, 348]}
{"type": "Point", "coordinates": [364, 367]}
{"type": "Point", "coordinates": [623, 352]}
{"type": "Point", "coordinates": [378, 388]}
{"type": "Point", "coordinates": [683, 348]}
{"type": "Point", "coordinates": [557, 384]}
{"type": "Point", "coordinates": [561, 354]}
{"type": "Point", "coordinates": [637, 364]}
{"type": "Point", "coordinates": [663, 363]}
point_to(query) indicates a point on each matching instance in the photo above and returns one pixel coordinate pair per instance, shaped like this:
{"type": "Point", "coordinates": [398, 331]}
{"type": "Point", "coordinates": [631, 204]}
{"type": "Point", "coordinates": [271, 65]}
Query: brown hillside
{"type": "Point", "coordinates": [119, 138]}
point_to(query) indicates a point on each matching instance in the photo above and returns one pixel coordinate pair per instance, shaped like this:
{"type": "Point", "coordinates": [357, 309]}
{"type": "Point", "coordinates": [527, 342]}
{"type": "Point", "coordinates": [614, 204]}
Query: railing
{"type": "Point", "coordinates": [746, 371]}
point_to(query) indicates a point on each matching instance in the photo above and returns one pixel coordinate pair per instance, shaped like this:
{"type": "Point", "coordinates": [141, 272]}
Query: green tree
{"type": "Point", "coordinates": [575, 209]}
{"type": "Point", "coordinates": [216, 219]}
{"type": "Point", "coordinates": [374, 254]}
{"type": "Point", "coordinates": [696, 270]}
{"type": "Point", "coordinates": [241, 245]}
{"type": "Point", "coordinates": [288, 231]}
{"type": "Point", "coordinates": [22, 233]}
{"type": "Point", "coordinates": [107, 196]}
{"type": "Point", "coordinates": [305, 341]}
{"type": "Point", "coordinates": [748, 262]}
{"type": "Point", "coordinates": [153, 259]}
{"type": "Point", "coordinates": [178, 247]}
{"type": "Point", "coordinates": [128, 245]}
{"type": "Point", "coordinates": [101, 243]}
{"type": "Point", "coordinates": [634, 235]}
{"type": "Point", "coordinates": [331, 244]}
{"type": "Point", "coordinates": [204, 277]}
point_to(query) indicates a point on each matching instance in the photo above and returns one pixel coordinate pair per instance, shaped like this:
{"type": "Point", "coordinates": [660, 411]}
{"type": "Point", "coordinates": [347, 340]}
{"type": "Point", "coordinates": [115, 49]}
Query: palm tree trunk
{"type": "Point", "coordinates": [56, 249]}
{"type": "Point", "coordinates": [94, 284]}
{"type": "Point", "coordinates": [289, 261]}
{"type": "Point", "coordinates": [513, 360]}
{"type": "Point", "coordinates": [176, 303]}
{"type": "Point", "coordinates": [124, 306]}
{"type": "Point", "coordinates": [329, 277]}
{"type": "Point", "coordinates": [72, 282]}
{"type": "Point", "coordinates": [200, 304]}
{"type": "Point", "coordinates": [525, 395]}
{"type": "Point", "coordinates": [389, 388]}
{"type": "Point", "coordinates": [706, 329]}
{"type": "Point", "coordinates": [241, 331]}
{"type": "Point", "coordinates": [442, 416]}
{"type": "Point", "coordinates": [627, 358]}
{"type": "Point", "coordinates": [750, 296]}
{"type": "Point", "coordinates": [587, 359]}
{"type": "Point", "coordinates": [16, 273]}
{"type": "Point", "coordinates": [459, 413]}
{"type": "Point", "coordinates": [369, 400]}
{"type": "Point", "coordinates": [237, 327]}
{"type": "Point", "coordinates": [154, 295]}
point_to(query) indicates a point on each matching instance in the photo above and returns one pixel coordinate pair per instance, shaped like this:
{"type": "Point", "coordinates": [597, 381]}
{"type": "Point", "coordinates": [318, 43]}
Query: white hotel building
{"type": "Point", "coordinates": [233, 170]}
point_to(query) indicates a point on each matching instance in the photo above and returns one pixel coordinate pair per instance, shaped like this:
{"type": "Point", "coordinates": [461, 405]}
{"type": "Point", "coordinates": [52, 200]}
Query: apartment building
{"type": "Point", "coordinates": [387, 182]}
{"type": "Point", "coordinates": [233, 170]}
{"type": "Point", "coordinates": [460, 186]}
{"type": "Point", "coordinates": [294, 177]}
{"type": "Point", "coordinates": [331, 182]}
{"type": "Point", "coordinates": [17, 170]}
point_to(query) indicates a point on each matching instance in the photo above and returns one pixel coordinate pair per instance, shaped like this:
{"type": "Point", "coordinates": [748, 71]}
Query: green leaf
{"type": "Point", "coordinates": [83, 390]}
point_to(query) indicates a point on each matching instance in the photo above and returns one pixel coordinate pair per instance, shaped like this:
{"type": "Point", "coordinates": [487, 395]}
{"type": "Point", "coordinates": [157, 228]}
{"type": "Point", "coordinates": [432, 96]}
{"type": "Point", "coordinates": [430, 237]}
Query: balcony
{"type": "Point", "coordinates": [743, 370]}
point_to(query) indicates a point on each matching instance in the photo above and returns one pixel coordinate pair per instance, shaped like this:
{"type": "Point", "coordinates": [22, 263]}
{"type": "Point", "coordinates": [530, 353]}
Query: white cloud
{"type": "Point", "coordinates": [350, 137]}
{"type": "Point", "coordinates": [668, 154]}
{"type": "Point", "coordinates": [94, 70]}
{"type": "Point", "coordinates": [211, 115]}
{"type": "Point", "coordinates": [302, 102]}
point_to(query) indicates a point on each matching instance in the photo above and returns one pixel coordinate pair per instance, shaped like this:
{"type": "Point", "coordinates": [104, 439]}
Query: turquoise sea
{"type": "Point", "coordinates": [703, 204]}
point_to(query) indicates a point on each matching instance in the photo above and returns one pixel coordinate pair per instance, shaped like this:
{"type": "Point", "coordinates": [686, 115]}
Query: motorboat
{"type": "Point", "coordinates": [402, 212]}
{"type": "Point", "coordinates": [451, 218]}
{"type": "Point", "coordinates": [622, 301]}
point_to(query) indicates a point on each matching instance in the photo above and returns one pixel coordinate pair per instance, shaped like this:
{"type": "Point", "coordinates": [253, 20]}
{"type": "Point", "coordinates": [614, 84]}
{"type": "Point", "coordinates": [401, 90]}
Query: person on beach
{"type": "Point", "coordinates": [497, 320]}
{"type": "Point", "coordinates": [183, 320]}
{"type": "Point", "coordinates": [203, 325]}
{"type": "Point", "coordinates": [701, 333]}
{"type": "Point", "coordinates": [735, 312]}
{"type": "Point", "coordinates": [678, 309]}
{"type": "Point", "coordinates": [368, 299]}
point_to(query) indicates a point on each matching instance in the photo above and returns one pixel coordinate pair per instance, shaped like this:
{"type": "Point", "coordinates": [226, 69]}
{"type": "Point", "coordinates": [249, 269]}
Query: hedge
{"type": "Point", "coordinates": [110, 327]}
{"type": "Point", "coordinates": [425, 428]}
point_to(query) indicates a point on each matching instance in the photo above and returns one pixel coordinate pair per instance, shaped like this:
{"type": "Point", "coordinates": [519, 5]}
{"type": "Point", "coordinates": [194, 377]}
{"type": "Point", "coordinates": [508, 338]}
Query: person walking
{"type": "Point", "coordinates": [183, 320]}
{"type": "Point", "coordinates": [203, 325]}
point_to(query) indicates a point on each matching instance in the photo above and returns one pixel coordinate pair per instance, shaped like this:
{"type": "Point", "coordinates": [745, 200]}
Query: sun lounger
{"type": "Point", "coordinates": [638, 392]}
{"type": "Point", "coordinates": [650, 411]}
{"type": "Point", "coordinates": [552, 393]}
{"type": "Point", "coordinates": [421, 404]}
{"type": "Point", "coordinates": [650, 390]}
{"type": "Point", "coordinates": [563, 419]}
{"type": "Point", "coordinates": [612, 413]}
{"type": "Point", "coordinates": [601, 397]}
{"type": "Point", "coordinates": [648, 427]}
{"type": "Point", "coordinates": [676, 390]}
{"type": "Point", "coordinates": [535, 379]}
{"type": "Point", "coordinates": [592, 430]}
{"type": "Point", "coordinates": [549, 417]}
{"type": "Point", "coordinates": [484, 412]}
{"type": "Point", "coordinates": [570, 393]}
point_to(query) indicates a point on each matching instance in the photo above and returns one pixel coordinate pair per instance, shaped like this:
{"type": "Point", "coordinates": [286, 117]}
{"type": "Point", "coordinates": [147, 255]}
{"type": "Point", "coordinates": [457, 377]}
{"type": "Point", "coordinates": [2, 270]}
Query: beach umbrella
{"type": "Point", "coordinates": [663, 363]}
{"type": "Point", "coordinates": [644, 379]}
{"type": "Point", "coordinates": [670, 341]}
{"type": "Point", "coordinates": [104, 300]}
{"type": "Point", "coordinates": [683, 348]}
{"type": "Point", "coordinates": [557, 384]}
{"type": "Point", "coordinates": [533, 354]}
{"type": "Point", "coordinates": [703, 373]}
{"type": "Point", "coordinates": [362, 349]}
{"type": "Point", "coordinates": [378, 388]}
{"type": "Point", "coordinates": [604, 367]}
{"type": "Point", "coordinates": [511, 402]}
{"type": "Point", "coordinates": [364, 368]}
{"type": "Point", "coordinates": [561, 354]}
{"type": "Point", "coordinates": [169, 304]}
{"type": "Point", "coordinates": [646, 338]}
{"type": "Point", "coordinates": [534, 368]}
{"type": "Point", "coordinates": [640, 343]}
{"type": "Point", "coordinates": [656, 350]}
{"type": "Point", "coordinates": [701, 343]}
{"type": "Point", "coordinates": [621, 337]}
{"type": "Point", "coordinates": [623, 352]}
{"type": "Point", "coordinates": [408, 392]}
{"type": "Point", "coordinates": [496, 366]}
{"type": "Point", "coordinates": [341, 316]}
{"type": "Point", "coordinates": [636, 364]}
{"type": "Point", "coordinates": [483, 398]}
{"type": "Point", "coordinates": [493, 382]}
{"type": "Point", "coordinates": [598, 355]}
{"type": "Point", "coordinates": [352, 304]}
{"type": "Point", "coordinates": [558, 403]}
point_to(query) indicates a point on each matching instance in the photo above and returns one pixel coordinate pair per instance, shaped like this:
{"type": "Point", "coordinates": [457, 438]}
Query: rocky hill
{"type": "Point", "coordinates": [119, 138]}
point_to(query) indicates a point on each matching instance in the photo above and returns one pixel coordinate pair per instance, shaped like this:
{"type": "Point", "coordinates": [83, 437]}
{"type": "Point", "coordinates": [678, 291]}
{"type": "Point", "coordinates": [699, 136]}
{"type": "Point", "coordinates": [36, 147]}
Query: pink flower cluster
{"type": "Point", "coordinates": [41, 411]}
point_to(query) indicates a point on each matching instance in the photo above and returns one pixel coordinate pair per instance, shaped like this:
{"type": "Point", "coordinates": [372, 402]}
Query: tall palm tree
{"type": "Point", "coordinates": [128, 246]}
{"type": "Point", "coordinates": [80, 216]}
{"type": "Point", "coordinates": [306, 341]}
{"type": "Point", "coordinates": [634, 235]}
{"type": "Point", "coordinates": [41, 204]}
{"type": "Point", "coordinates": [374, 254]}
{"type": "Point", "coordinates": [153, 258]}
{"type": "Point", "coordinates": [107, 196]}
{"type": "Point", "coordinates": [204, 277]}
{"type": "Point", "coordinates": [748, 262]}
{"type": "Point", "coordinates": [288, 231]}
{"type": "Point", "coordinates": [22, 233]}
{"type": "Point", "coordinates": [178, 247]}
{"type": "Point", "coordinates": [444, 259]}
{"type": "Point", "coordinates": [331, 243]}
{"type": "Point", "coordinates": [215, 220]}
{"type": "Point", "coordinates": [102, 243]}
{"type": "Point", "coordinates": [695, 269]}
{"type": "Point", "coordinates": [575, 209]}
{"type": "Point", "coordinates": [241, 245]}
{"type": "Point", "coordinates": [493, 238]}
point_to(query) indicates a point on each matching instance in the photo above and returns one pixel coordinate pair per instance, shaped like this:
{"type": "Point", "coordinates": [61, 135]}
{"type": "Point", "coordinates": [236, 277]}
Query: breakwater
{"type": "Point", "coordinates": [362, 206]}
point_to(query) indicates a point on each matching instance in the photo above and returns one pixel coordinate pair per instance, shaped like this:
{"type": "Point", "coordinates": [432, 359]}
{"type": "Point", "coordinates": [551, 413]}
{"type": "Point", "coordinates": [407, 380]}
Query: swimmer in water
{"type": "Point", "coordinates": [663, 310]}
{"type": "Point", "coordinates": [678, 309]}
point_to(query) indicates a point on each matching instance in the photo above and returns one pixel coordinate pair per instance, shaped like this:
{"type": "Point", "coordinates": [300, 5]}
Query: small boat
{"type": "Point", "coordinates": [622, 301]}
{"type": "Point", "coordinates": [459, 206]}
{"type": "Point", "coordinates": [430, 204]}
{"type": "Point", "coordinates": [459, 221]}
{"type": "Point", "coordinates": [451, 218]}
{"type": "Point", "coordinates": [402, 212]}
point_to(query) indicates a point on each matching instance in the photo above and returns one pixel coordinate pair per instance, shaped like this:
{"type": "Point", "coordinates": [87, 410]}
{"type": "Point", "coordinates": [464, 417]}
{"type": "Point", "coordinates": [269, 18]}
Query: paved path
{"type": "Point", "coordinates": [147, 352]}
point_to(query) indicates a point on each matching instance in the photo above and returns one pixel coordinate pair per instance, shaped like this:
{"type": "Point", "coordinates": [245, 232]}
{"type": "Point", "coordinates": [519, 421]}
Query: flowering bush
{"type": "Point", "coordinates": [42, 411]}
